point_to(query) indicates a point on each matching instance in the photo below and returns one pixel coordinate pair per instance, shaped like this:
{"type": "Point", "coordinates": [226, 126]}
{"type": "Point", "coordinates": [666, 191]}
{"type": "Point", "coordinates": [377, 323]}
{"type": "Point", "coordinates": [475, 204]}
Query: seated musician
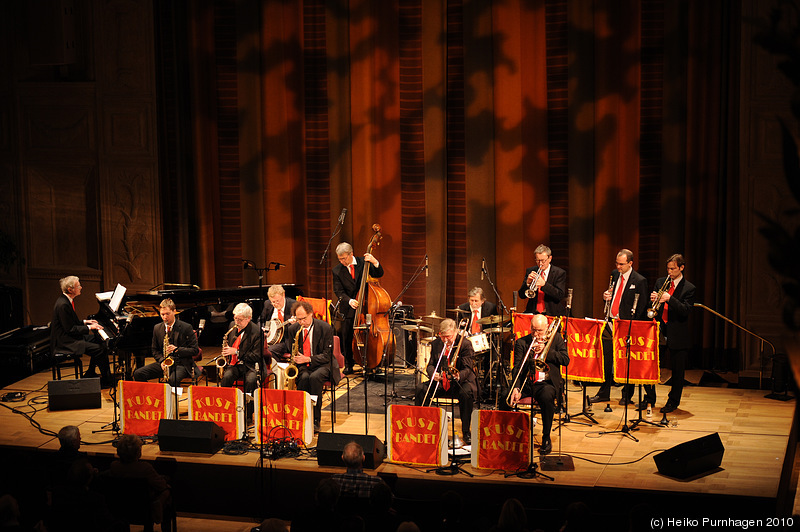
{"type": "Point", "coordinates": [180, 345]}
{"type": "Point", "coordinates": [478, 308]}
{"type": "Point", "coordinates": [243, 349]}
{"type": "Point", "coordinates": [310, 340]}
{"type": "Point", "coordinates": [72, 336]}
{"type": "Point", "coordinates": [279, 309]}
{"type": "Point", "coordinates": [541, 385]}
{"type": "Point", "coordinates": [461, 383]}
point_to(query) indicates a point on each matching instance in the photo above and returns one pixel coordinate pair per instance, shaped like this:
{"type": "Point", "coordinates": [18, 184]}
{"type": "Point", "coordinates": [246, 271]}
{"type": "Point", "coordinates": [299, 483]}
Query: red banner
{"type": "Point", "coordinates": [521, 324]}
{"type": "Point", "coordinates": [284, 413]}
{"type": "Point", "coordinates": [585, 348]}
{"type": "Point", "coordinates": [223, 406]}
{"type": "Point", "coordinates": [416, 435]}
{"type": "Point", "coordinates": [503, 440]}
{"type": "Point", "coordinates": [143, 405]}
{"type": "Point", "coordinates": [644, 351]}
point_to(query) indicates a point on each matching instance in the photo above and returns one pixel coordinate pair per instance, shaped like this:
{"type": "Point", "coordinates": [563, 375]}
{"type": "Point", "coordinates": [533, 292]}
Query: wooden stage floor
{"type": "Point", "coordinates": [611, 470]}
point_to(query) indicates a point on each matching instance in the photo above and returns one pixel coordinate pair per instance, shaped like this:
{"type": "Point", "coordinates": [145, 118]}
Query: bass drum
{"type": "Point", "coordinates": [424, 356]}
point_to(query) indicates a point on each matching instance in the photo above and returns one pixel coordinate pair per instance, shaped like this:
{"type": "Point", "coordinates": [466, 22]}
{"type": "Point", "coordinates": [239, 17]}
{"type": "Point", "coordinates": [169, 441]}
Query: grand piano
{"type": "Point", "coordinates": [130, 330]}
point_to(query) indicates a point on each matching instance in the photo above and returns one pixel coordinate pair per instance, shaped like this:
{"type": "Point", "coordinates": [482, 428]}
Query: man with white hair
{"type": "Point", "coordinates": [71, 335]}
{"type": "Point", "coordinates": [346, 283]}
{"type": "Point", "coordinates": [244, 349]}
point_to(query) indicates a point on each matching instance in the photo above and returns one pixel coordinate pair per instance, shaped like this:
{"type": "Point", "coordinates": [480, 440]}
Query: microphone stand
{"type": "Point", "coordinates": [324, 260]}
{"type": "Point", "coordinates": [497, 342]}
{"type": "Point", "coordinates": [626, 430]}
{"type": "Point", "coordinates": [567, 418]}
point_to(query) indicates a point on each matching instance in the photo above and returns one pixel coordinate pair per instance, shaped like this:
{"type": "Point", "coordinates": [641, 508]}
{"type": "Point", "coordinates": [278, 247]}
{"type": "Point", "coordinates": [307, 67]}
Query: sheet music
{"type": "Point", "coordinates": [116, 298]}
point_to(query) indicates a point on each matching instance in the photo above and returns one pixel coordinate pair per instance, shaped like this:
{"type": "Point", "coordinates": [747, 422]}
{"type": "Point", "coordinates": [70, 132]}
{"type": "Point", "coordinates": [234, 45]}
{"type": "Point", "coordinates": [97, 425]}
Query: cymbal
{"type": "Point", "coordinates": [426, 329]}
{"type": "Point", "coordinates": [427, 339]}
{"type": "Point", "coordinates": [458, 310]}
{"type": "Point", "coordinates": [492, 319]}
{"type": "Point", "coordinates": [409, 327]}
{"type": "Point", "coordinates": [412, 320]}
{"type": "Point", "coordinates": [498, 330]}
{"type": "Point", "coordinates": [433, 316]}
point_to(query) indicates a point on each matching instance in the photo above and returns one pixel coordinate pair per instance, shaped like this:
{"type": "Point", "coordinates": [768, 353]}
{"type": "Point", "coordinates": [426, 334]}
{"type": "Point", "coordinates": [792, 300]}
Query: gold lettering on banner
{"type": "Point", "coordinates": [582, 338]}
{"type": "Point", "coordinates": [218, 417]}
{"type": "Point", "coordinates": [144, 415]}
{"type": "Point", "coordinates": [414, 438]}
{"type": "Point", "coordinates": [498, 445]}
{"type": "Point", "coordinates": [139, 400]}
{"type": "Point", "coordinates": [421, 423]}
{"type": "Point", "coordinates": [584, 353]}
{"type": "Point", "coordinates": [638, 355]}
{"type": "Point", "coordinates": [218, 402]}
{"type": "Point", "coordinates": [278, 409]}
{"type": "Point", "coordinates": [508, 430]}
{"type": "Point", "coordinates": [291, 424]}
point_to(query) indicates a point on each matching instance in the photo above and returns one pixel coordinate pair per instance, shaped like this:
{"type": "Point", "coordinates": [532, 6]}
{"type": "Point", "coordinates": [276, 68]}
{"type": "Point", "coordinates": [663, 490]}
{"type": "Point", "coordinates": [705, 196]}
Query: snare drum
{"type": "Point", "coordinates": [480, 342]}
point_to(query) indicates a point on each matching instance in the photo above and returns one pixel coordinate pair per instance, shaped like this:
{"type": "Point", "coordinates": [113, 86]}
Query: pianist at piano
{"type": "Point", "coordinates": [181, 347]}
{"type": "Point", "coordinates": [71, 335]}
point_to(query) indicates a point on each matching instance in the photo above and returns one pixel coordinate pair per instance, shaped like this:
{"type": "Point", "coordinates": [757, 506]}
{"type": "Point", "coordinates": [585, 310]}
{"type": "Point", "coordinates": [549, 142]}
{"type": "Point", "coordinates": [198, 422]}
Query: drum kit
{"type": "Point", "coordinates": [489, 340]}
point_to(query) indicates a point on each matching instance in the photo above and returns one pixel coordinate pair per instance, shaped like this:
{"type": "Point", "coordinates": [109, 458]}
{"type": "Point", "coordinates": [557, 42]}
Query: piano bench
{"type": "Point", "coordinates": [60, 360]}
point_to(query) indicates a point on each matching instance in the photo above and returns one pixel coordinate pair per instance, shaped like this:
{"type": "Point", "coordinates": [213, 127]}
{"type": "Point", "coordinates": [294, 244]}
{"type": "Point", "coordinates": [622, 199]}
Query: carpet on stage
{"type": "Point", "coordinates": [377, 386]}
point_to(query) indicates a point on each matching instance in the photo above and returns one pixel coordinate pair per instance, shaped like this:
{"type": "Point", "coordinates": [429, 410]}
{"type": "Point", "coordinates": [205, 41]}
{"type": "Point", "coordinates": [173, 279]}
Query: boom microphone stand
{"type": "Point", "coordinates": [497, 347]}
{"type": "Point", "coordinates": [625, 429]}
{"type": "Point", "coordinates": [567, 418]}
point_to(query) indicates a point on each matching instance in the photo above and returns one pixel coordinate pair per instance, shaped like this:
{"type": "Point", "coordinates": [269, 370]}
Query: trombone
{"type": "Point", "coordinates": [652, 312]}
{"type": "Point", "coordinates": [539, 363]}
{"type": "Point", "coordinates": [462, 333]}
{"type": "Point", "coordinates": [530, 293]}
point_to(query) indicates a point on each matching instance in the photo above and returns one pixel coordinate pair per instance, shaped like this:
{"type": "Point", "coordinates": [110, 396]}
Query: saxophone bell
{"type": "Point", "coordinates": [291, 370]}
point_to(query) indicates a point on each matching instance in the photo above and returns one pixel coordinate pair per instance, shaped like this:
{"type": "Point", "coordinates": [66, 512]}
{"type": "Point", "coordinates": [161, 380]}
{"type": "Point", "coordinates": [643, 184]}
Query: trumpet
{"type": "Point", "coordinates": [530, 293]}
{"type": "Point", "coordinates": [168, 360]}
{"type": "Point", "coordinates": [291, 371]}
{"type": "Point", "coordinates": [539, 364]}
{"type": "Point", "coordinates": [652, 312]}
{"type": "Point", "coordinates": [607, 308]}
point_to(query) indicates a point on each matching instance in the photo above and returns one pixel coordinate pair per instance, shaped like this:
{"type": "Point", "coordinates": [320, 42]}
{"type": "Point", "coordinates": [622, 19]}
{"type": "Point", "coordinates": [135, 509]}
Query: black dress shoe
{"type": "Point", "coordinates": [348, 370]}
{"type": "Point", "coordinates": [466, 438]}
{"type": "Point", "coordinates": [546, 447]}
{"type": "Point", "coordinates": [597, 399]}
{"type": "Point", "coordinates": [623, 400]}
{"type": "Point", "coordinates": [669, 407]}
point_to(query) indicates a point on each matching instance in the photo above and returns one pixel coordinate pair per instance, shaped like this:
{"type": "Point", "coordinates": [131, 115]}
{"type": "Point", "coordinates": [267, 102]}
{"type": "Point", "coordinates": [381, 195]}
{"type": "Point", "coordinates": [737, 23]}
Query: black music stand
{"type": "Point", "coordinates": [567, 418]}
{"type": "Point", "coordinates": [626, 430]}
{"type": "Point", "coordinates": [532, 471]}
{"type": "Point", "coordinates": [113, 426]}
{"type": "Point", "coordinates": [456, 464]}
{"type": "Point", "coordinates": [639, 420]}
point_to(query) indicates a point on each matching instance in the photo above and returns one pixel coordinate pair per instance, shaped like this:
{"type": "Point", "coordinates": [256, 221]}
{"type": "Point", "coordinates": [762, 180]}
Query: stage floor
{"type": "Point", "coordinates": [755, 432]}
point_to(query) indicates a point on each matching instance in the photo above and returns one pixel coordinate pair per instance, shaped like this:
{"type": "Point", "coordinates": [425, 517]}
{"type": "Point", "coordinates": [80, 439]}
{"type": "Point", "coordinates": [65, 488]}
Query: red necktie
{"type": "Point", "coordinates": [618, 298]}
{"type": "Point", "coordinates": [476, 327]}
{"type": "Point", "coordinates": [235, 357]}
{"type": "Point", "coordinates": [666, 305]}
{"type": "Point", "coordinates": [73, 304]}
{"type": "Point", "coordinates": [444, 365]}
{"type": "Point", "coordinates": [280, 314]}
{"type": "Point", "coordinates": [540, 299]}
{"type": "Point", "coordinates": [352, 271]}
{"type": "Point", "coordinates": [307, 343]}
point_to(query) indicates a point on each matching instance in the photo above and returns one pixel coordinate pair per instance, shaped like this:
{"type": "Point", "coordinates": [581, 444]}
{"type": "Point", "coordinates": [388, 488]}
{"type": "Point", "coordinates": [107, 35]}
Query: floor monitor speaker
{"type": "Point", "coordinates": [330, 446]}
{"type": "Point", "coordinates": [183, 435]}
{"type": "Point", "coordinates": [74, 394]}
{"type": "Point", "coordinates": [691, 458]}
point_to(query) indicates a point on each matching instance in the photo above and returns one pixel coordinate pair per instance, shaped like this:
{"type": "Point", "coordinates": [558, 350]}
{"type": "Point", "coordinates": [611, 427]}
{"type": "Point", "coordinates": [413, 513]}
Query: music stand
{"type": "Point", "coordinates": [456, 464]}
{"type": "Point", "coordinates": [639, 421]}
{"type": "Point", "coordinates": [532, 471]}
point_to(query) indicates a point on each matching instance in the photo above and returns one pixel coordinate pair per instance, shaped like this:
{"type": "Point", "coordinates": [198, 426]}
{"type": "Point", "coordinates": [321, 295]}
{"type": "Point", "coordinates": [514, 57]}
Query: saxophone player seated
{"type": "Point", "coordinates": [542, 383]}
{"type": "Point", "coordinates": [173, 340]}
{"type": "Point", "coordinates": [310, 341]}
{"type": "Point", "coordinates": [242, 349]}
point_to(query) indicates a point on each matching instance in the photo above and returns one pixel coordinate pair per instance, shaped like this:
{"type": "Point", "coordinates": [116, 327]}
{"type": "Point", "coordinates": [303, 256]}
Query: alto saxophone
{"type": "Point", "coordinates": [291, 369]}
{"type": "Point", "coordinates": [222, 360]}
{"type": "Point", "coordinates": [168, 360]}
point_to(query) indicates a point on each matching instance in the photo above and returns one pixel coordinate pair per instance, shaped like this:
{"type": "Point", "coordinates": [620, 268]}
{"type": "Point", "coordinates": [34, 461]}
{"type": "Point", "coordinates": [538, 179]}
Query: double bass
{"type": "Point", "coordinates": [371, 337]}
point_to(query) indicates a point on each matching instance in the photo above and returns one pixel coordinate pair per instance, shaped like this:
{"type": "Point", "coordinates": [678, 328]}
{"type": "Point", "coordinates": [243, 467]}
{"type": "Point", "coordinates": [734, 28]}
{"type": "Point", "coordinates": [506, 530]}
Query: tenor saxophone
{"type": "Point", "coordinates": [291, 369]}
{"type": "Point", "coordinates": [222, 360]}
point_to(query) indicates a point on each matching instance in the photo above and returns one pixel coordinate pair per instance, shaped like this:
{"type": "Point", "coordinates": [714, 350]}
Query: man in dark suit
{"type": "Point", "coordinates": [463, 384]}
{"type": "Point", "coordinates": [243, 350]}
{"type": "Point", "coordinates": [71, 335]}
{"type": "Point", "coordinates": [278, 309]}
{"type": "Point", "coordinates": [543, 386]}
{"type": "Point", "coordinates": [677, 301]}
{"type": "Point", "coordinates": [180, 345]}
{"type": "Point", "coordinates": [314, 359]}
{"type": "Point", "coordinates": [627, 284]}
{"type": "Point", "coordinates": [346, 282]}
{"type": "Point", "coordinates": [550, 285]}
{"type": "Point", "coordinates": [477, 307]}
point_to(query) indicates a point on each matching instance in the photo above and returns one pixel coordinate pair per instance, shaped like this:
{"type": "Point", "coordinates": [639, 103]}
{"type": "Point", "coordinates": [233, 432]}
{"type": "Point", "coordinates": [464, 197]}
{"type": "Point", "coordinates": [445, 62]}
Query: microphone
{"type": "Point", "coordinates": [278, 265]}
{"type": "Point", "coordinates": [483, 267]}
{"type": "Point", "coordinates": [342, 215]}
{"type": "Point", "coordinates": [248, 264]}
{"type": "Point", "coordinates": [635, 302]}
{"type": "Point", "coordinates": [426, 265]}
{"type": "Point", "coordinates": [569, 297]}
